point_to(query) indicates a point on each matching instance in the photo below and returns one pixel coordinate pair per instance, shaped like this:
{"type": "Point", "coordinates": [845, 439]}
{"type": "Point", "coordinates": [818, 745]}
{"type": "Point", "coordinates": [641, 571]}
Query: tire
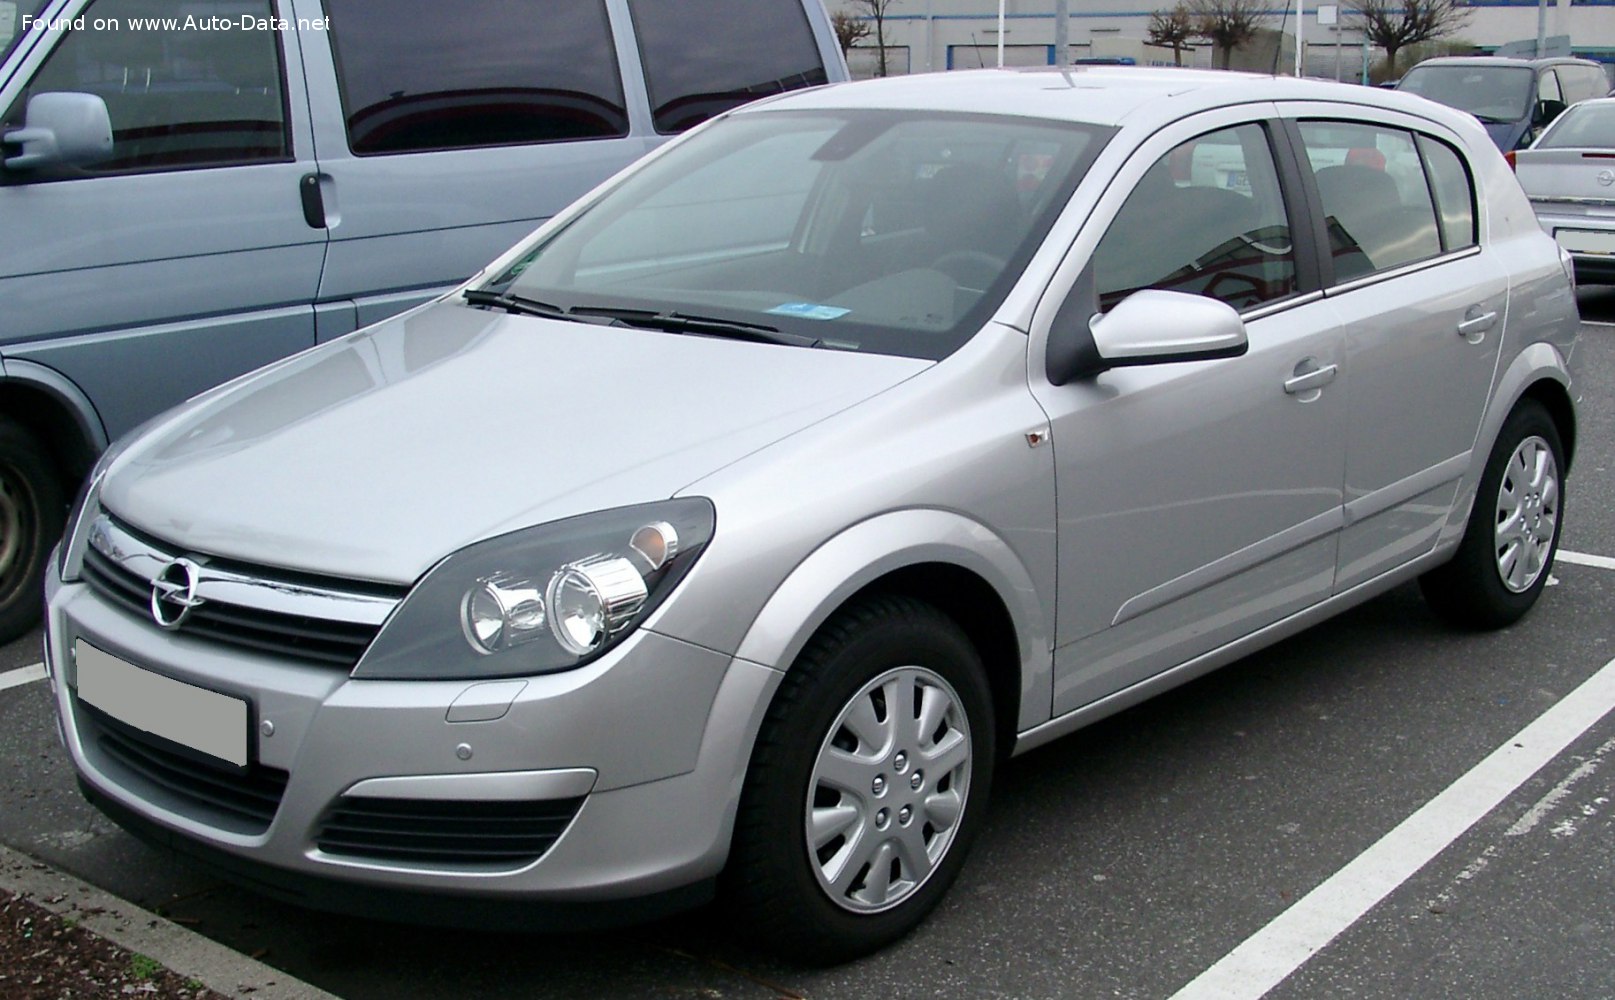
{"type": "Point", "coordinates": [1506, 554]}
{"type": "Point", "coordinates": [32, 513]}
{"type": "Point", "coordinates": [865, 885]}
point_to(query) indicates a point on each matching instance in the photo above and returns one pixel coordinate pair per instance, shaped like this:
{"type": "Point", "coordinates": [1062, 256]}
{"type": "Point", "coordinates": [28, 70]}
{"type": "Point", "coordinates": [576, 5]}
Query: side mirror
{"type": "Point", "coordinates": [1547, 111]}
{"type": "Point", "coordinates": [1149, 327]}
{"type": "Point", "coordinates": [61, 129]}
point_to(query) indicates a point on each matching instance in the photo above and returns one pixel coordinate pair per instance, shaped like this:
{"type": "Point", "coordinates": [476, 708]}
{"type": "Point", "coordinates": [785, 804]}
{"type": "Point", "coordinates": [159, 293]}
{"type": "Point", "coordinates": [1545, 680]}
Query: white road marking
{"type": "Point", "coordinates": [1583, 559]}
{"type": "Point", "coordinates": [1269, 956]}
{"type": "Point", "coordinates": [22, 675]}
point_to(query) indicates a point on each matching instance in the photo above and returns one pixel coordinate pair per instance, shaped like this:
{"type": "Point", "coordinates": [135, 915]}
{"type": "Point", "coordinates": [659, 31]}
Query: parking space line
{"type": "Point", "coordinates": [22, 675]}
{"type": "Point", "coordinates": [1583, 559]}
{"type": "Point", "coordinates": [1269, 956]}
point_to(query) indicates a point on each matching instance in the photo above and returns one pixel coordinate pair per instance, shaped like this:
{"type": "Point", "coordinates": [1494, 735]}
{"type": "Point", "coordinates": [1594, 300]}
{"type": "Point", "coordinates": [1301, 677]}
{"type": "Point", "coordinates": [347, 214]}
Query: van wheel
{"type": "Point", "coordinates": [1507, 550]}
{"type": "Point", "coordinates": [867, 785]}
{"type": "Point", "coordinates": [31, 514]}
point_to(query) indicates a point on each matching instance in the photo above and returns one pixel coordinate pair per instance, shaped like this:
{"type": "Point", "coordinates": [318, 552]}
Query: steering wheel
{"type": "Point", "coordinates": [974, 269]}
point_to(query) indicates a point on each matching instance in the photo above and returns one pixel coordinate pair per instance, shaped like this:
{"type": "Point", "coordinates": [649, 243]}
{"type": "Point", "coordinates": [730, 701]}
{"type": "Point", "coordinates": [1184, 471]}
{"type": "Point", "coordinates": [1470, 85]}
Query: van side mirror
{"type": "Point", "coordinates": [1547, 111]}
{"type": "Point", "coordinates": [1149, 327]}
{"type": "Point", "coordinates": [61, 129]}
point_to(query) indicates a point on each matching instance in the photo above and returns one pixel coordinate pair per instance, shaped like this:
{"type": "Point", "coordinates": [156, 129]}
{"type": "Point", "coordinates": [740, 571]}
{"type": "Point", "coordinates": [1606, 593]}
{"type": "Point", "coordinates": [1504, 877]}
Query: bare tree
{"type": "Point", "coordinates": [1395, 24]}
{"type": "Point", "coordinates": [1227, 24]}
{"type": "Point", "coordinates": [849, 30]}
{"type": "Point", "coordinates": [875, 10]}
{"type": "Point", "coordinates": [1172, 29]}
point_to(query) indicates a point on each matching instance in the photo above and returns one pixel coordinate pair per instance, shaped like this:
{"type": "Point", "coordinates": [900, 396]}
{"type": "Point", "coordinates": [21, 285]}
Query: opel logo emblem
{"type": "Point", "coordinates": [173, 593]}
{"type": "Point", "coordinates": [1606, 177]}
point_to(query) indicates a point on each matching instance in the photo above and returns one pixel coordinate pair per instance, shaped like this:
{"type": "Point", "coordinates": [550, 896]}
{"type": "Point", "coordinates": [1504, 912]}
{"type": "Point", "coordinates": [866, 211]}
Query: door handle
{"type": "Point", "coordinates": [313, 201]}
{"type": "Point", "coordinates": [1309, 376]}
{"type": "Point", "coordinates": [1473, 324]}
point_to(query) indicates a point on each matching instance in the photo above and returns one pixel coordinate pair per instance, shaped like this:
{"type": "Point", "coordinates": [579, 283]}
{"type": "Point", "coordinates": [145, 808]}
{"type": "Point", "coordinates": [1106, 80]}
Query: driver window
{"type": "Point", "coordinates": [178, 97]}
{"type": "Point", "coordinates": [1549, 88]}
{"type": "Point", "coordinates": [1207, 218]}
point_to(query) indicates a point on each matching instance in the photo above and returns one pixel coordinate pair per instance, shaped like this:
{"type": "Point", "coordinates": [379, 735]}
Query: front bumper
{"type": "Point", "coordinates": [633, 761]}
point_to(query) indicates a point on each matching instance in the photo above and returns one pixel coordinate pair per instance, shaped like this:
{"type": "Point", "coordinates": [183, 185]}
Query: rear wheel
{"type": "Point", "coordinates": [1507, 550]}
{"type": "Point", "coordinates": [31, 514]}
{"type": "Point", "coordinates": [867, 785]}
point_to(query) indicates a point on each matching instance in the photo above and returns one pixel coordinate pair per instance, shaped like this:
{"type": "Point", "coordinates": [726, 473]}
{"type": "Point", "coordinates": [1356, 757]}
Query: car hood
{"type": "Point", "coordinates": [1504, 135]}
{"type": "Point", "coordinates": [373, 457]}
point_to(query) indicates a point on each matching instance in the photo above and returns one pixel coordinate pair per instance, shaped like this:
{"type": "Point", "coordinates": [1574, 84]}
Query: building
{"type": "Point", "coordinates": [927, 35]}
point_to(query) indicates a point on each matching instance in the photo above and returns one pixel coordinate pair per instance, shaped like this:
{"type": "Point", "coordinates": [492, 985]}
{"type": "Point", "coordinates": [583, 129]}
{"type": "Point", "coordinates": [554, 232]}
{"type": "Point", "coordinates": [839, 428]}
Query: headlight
{"type": "Point", "coordinates": [82, 514]}
{"type": "Point", "coordinates": [541, 599]}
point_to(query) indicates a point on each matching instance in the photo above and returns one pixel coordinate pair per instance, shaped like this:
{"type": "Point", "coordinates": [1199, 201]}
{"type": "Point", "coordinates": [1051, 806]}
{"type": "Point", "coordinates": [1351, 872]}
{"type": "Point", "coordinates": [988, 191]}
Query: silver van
{"type": "Point", "coordinates": [191, 189]}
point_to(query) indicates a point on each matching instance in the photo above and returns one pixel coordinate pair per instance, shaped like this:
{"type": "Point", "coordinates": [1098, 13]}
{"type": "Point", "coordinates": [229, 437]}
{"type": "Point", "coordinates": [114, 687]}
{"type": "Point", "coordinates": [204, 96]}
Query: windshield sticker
{"type": "Point", "coordinates": [809, 310]}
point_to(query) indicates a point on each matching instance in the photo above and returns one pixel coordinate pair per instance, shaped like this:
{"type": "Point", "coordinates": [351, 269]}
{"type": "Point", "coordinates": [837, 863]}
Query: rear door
{"type": "Point", "coordinates": [1422, 302]}
{"type": "Point", "coordinates": [446, 132]}
{"type": "Point", "coordinates": [1197, 501]}
{"type": "Point", "coordinates": [185, 259]}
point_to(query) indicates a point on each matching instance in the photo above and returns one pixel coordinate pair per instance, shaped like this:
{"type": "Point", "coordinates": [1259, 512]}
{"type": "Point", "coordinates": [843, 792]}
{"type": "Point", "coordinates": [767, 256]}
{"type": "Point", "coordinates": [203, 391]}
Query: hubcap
{"type": "Point", "coordinates": [1527, 514]}
{"type": "Point", "coordinates": [888, 789]}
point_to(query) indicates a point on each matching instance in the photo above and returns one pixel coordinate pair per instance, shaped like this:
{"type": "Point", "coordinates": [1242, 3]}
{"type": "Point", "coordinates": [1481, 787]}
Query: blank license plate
{"type": "Point", "coordinates": [206, 721]}
{"type": "Point", "coordinates": [1583, 241]}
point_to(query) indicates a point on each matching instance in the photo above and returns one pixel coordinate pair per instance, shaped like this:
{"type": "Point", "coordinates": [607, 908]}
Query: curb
{"type": "Point", "coordinates": [129, 926]}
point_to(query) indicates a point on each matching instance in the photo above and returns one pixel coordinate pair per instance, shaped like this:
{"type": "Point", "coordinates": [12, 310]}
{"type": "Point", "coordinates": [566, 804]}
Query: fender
{"type": "Point", "coordinates": [64, 391]}
{"type": "Point", "coordinates": [869, 550]}
{"type": "Point", "coordinates": [1536, 363]}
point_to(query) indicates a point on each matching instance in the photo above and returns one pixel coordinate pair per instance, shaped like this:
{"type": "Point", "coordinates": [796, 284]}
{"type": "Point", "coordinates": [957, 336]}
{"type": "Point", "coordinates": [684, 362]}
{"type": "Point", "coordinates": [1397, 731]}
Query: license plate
{"type": "Point", "coordinates": [1585, 241]}
{"type": "Point", "coordinates": [206, 721]}
{"type": "Point", "coordinates": [1236, 180]}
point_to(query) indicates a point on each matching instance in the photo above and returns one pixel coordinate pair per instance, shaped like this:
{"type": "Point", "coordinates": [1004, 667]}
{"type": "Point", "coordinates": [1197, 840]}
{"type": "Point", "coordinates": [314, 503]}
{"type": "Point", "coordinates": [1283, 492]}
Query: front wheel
{"type": "Point", "coordinates": [867, 786]}
{"type": "Point", "coordinates": [1504, 559]}
{"type": "Point", "coordinates": [31, 516]}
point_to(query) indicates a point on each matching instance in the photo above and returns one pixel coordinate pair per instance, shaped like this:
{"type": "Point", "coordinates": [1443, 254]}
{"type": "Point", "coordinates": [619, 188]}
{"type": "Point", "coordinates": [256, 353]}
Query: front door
{"type": "Point", "coordinates": [1197, 501]}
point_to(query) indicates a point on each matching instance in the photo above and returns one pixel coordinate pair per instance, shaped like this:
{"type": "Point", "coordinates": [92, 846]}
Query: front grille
{"type": "Point", "coordinates": [241, 802]}
{"type": "Point", "coordinates": [301, 637]}
{"type": "Point", "coordinates": [488, 834]}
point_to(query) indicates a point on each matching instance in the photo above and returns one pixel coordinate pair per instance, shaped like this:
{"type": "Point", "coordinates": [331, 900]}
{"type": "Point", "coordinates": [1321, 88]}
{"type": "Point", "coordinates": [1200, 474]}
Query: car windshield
{"type": "Point", "coordinates": [894, 233]}
{"type": "Point", "coordinates": [12, 18]}
{"type": "Point", "coordinates": [1585, 126]}
{"type": "Point", "coordinates": [1490, 93]}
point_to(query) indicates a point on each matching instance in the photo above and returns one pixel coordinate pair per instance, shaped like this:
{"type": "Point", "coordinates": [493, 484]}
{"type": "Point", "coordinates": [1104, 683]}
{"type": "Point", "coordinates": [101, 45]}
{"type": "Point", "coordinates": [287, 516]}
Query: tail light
{"type": "Point", "coordinates": [1510, 157]}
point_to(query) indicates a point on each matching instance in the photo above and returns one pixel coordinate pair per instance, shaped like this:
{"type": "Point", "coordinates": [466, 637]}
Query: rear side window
{"type": "Point", "coordinates": [703, 57]}
{"type": "Point", "coordinates": [419, 74]}
{"type": "Point", "coordinates": [1376, 198]}
{"type": "Point", "coordinates": [1455, 193]}
{"type": "Point", "coordinates": [177, 96]}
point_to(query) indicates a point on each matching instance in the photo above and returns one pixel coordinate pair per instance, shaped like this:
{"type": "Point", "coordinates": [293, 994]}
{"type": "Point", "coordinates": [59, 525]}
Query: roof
{"type": "Point", "coordinates": [1099, 95]}
{"type": "Point", "coordinates": [1501, 61]}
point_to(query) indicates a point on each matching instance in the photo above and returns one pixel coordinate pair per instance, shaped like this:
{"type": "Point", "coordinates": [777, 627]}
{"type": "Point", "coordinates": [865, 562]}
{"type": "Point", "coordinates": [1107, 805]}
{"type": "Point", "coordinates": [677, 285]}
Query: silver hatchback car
{"type": "Point", "coordinates": [727, 533]}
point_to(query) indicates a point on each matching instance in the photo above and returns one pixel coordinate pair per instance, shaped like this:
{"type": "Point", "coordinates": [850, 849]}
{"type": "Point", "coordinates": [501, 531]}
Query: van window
{"type": "Point", "coordinates": [703, 57]}
{"type": "Point", "coordinates": [11, 25]}
{"type": "Point", "coordinates": [1376, 198]}
{"type": "Point", "coordinates": [177, 96]}
{"type": "Point", "coordinates": [420, 74]}
{"type": "Point", "coordinates": [1549, 90]}
{"type": "Point", "coordinates": [1490, 93]}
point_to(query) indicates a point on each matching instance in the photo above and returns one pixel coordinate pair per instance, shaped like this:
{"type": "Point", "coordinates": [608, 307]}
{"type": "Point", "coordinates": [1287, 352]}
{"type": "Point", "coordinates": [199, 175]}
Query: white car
{"type": "Point", "coordinates": [1569, 175]}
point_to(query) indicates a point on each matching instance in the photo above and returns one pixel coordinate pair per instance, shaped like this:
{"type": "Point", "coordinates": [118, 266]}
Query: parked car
{"type": "Point", "coordinates": [191, 189]}
{"type": "Point", "coordinates": [1569, 175]}
{"type": "Point", "coordinates": [727, 533]}
{"type": "Point", "coordinates": [1513, 98]}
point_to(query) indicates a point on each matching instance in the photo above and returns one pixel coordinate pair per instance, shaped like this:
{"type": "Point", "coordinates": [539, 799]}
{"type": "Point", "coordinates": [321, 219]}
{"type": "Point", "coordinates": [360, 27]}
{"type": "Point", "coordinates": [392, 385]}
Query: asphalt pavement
{"type": "Point", "coordinates": [1301, 809]}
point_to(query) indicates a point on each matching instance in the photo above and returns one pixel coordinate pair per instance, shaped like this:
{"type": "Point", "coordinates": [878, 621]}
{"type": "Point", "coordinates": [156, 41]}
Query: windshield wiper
{"type": "Point", "coordinates": [521, 305]}
{"type": "Point", "coordinates": [1489, 120]}
{"type": "Point", "coordinates": [677, 322]}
